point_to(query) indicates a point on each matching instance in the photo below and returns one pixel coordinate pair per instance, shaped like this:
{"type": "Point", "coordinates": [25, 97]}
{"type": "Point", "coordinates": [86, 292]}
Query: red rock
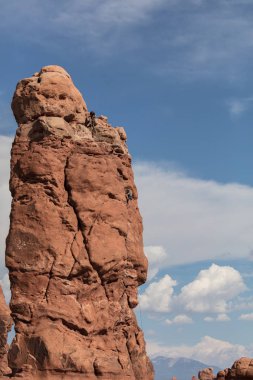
{"type": "Point", "coordinates": [221, 375]}
{"type": "Point", "coordinates": [75, 248]}
{"type": "Point", "coordinates": [206, 374]}
{"type": "Point", "coordinates": [5, 326]}
{"type": "Point", "coordinates": [242, 369]}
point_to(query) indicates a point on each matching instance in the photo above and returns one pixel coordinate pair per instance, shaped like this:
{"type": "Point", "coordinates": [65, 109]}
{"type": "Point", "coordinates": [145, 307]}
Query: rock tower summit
{"type": "Point", "coordinates": [74, 249]}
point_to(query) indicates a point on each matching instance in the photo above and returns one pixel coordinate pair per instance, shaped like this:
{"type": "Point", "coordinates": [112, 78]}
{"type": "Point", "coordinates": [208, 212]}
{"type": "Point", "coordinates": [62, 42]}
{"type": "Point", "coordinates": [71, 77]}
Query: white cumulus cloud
{"type": "Point", "coordinates": [158, 295]}
{"type": "Point", "coordinates": [212, 289]}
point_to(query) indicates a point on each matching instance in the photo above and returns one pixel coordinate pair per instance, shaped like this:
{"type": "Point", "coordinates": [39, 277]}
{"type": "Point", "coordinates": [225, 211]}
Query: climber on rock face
{"type": "Point", "coordinates": [92, 115]}
{"type": "Point", "coordinates": [129, 194]}
{"type": "Point", "coordinates": [91, 121]}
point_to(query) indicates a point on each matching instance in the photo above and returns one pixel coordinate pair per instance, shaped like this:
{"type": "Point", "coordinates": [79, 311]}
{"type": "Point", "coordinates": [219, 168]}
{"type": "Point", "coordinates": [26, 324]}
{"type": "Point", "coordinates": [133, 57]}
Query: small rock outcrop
{"type": "Point", "coordinates": [242, 369]}
{"type": "Point", "coordinates": [5, 327]}
{"type": "Point", "coordinates": [74, 249]}
{"type": "Point", "coordinates": [206, 374]}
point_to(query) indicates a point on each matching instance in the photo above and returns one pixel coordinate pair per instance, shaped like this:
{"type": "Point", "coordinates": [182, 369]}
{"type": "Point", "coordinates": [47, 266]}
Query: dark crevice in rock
{"type": "Point", "coordinates": [50, 275]}
{"type": "Point", "coordinates": [121, 174]}
{"type": "Point", "coordinates": [70, 326]}
{"type": "Point", "coordinates": [112, 196]}
{"type": "Point", "coordinates": [120, 231]}
{"type": "Point", "coordinates": [81, 226]}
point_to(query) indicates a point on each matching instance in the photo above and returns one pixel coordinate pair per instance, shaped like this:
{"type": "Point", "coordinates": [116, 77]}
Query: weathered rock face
{"type": "Point", "coordinates": [74, 249]}
{"type": "Point", "coordinates": [5, 326]}
{"type": "Point", "coordinates": [242, 369]}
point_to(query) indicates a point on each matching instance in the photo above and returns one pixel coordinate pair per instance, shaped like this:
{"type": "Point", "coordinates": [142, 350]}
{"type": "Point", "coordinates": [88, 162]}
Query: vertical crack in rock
{"type": "Point", "coordinates": [50, 275]}
{"type": "Point", "coordinates": [74, 249]}
{"type": "Point", "coordinates": [72, 204]}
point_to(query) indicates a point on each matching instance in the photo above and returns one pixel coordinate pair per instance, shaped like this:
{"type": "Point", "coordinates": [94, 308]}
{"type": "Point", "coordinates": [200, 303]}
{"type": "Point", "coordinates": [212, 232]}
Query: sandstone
{"type": "Point", "coordinates": [5, 326]}
{"type": "Point", "coordinates": [242, 369]}
{"type": "Point", "coordinates": [206, 374]}
{"type": "Point", "coordinates": [74, 249]}
{"type": "Point", "coordinates": [50, 92]}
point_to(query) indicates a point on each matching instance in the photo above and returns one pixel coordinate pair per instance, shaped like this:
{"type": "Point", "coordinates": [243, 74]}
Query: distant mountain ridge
{"type": "Point", "coordinates": [182, 368]}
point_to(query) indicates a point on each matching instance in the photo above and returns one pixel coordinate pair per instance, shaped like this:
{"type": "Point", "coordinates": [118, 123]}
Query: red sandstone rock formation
{"type": "Point", "coordinates": [74, 249]}
{"type": "Point", "coordinates": [5, 326]}
{"type": "Point", "coordinates": [221, 375]}
{"type": "Point", "coordinates": [206, 374]}
{"type": "Point", "coordinates": [242, 369]}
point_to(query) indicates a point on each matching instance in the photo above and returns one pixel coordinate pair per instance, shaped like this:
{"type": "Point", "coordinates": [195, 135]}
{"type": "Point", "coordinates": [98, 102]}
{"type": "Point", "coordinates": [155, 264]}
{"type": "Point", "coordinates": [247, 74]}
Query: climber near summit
{"type": "Point", "coordinates": [129, 194]}
{"type": "Point", "coordinates": [92, 121]}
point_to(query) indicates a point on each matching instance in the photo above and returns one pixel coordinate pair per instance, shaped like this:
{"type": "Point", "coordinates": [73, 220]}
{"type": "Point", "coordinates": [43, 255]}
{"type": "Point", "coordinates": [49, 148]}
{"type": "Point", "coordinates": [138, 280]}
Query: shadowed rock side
{"type": "Point", "coordinates": [74, 249]}
{"type": "Point", "coordinates": [5, 326]}
{"type": "Point", "coordinates": [242, 369]}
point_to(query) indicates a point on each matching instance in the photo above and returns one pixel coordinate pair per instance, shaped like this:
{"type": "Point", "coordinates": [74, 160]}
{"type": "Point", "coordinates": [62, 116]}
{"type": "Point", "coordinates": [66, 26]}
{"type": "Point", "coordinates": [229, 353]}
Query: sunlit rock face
{"type": "Point", "coordinates": [75, 248]}
{"type": "Point", "coordinates": [206, 374]}
{"type": "Point", "coordinates": [242, 369]}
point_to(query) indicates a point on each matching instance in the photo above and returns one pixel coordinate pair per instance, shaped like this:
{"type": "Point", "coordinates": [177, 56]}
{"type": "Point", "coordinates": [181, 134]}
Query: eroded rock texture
{"type": "Point", "coordinates": [242, 369]}
{"type": "Point", "coordinates": [5, 326]}
{"type": "Point", "coordinates": [74, 250]}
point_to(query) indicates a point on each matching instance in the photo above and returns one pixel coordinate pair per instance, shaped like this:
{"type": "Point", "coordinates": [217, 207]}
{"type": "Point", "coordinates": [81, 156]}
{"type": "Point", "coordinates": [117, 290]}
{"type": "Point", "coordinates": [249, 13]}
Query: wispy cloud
{"type": "Point", "coordinates": [5, 147]}
{"type": "Point", "coordinates": [192, 39]}
{"type": "Point", "coordinates": [236, 107]}
{"type": "Point", "coordinates": [93, 22]}
{"type": "Point", "coordinates": [220, 318]}
{"type": "Point", "coordinates": [5, 284]}
{"type": "Point", "coordinates": [180, 319]}
{"type": "Point", "coordinates": [157, 256]}
{"type": "Point", "coordinates": [246, 317]}
{"type": "Point", "coordinates": [194, 219]}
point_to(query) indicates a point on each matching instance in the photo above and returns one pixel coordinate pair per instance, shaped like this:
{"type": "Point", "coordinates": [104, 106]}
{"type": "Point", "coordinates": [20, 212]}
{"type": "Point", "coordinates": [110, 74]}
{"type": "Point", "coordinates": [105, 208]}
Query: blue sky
{"type": "Point", "coordinates": [177, 75]}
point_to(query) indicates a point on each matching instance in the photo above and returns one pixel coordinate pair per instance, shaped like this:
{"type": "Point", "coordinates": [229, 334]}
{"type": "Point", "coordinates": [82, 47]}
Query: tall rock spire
{"type": "Point", "coordinates": [75, 248]}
